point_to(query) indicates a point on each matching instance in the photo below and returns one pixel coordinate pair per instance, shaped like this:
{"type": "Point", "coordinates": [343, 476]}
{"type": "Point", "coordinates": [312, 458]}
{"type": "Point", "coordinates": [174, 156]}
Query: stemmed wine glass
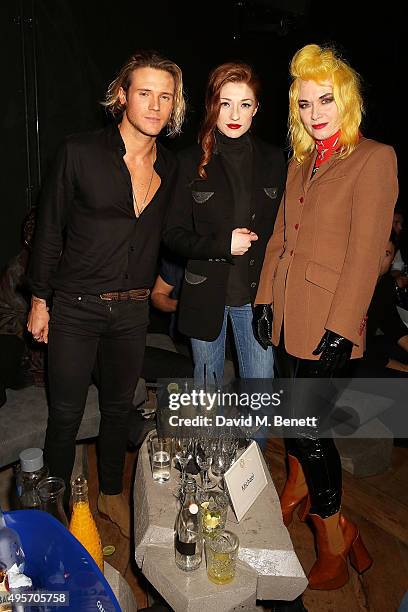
{"type": "Point", "coordinates": [204, 451]}
{"type": "Point", "coordinates": [249, 431]}
{"type": "Point", "coordinates": [183, 451]}
{"type": "Point", "coordinates": [224, 457]}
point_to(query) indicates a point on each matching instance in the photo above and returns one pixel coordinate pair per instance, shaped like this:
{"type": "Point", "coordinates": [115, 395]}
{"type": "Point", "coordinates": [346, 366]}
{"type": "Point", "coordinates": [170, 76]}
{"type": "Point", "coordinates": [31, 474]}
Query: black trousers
{"type": "Point", "coordinates": [85, 329]}
{"type": "Point", "coordinates": [317, 454]}
{"type": "Point", "coordinates": [160, 363]}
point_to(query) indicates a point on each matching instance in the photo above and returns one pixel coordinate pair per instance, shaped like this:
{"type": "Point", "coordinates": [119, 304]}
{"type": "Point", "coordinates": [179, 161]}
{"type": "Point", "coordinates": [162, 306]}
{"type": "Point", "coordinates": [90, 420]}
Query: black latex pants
{"type": "Point", "coordinates": [313, 448]}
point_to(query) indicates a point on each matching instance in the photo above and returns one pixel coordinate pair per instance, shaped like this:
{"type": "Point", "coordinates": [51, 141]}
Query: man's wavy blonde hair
{"type": "Point", "coordinates": [148, 59]}
{"type": "Point", "coordinates": [314, 63]}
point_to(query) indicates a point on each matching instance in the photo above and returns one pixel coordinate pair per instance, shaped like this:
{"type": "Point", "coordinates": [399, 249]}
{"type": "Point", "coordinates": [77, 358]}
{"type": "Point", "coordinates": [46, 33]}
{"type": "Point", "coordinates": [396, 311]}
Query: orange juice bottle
{"type": "Point", "coordinates": [82, 524]}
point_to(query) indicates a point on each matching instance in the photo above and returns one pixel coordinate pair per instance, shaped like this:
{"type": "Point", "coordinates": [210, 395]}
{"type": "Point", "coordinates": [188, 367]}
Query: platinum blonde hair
{"type": "Point", "coordinates": [314, 63]}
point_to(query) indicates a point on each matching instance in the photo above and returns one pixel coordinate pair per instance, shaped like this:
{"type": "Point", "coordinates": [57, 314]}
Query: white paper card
{"type": "Point", "coordinates": [245, 480]}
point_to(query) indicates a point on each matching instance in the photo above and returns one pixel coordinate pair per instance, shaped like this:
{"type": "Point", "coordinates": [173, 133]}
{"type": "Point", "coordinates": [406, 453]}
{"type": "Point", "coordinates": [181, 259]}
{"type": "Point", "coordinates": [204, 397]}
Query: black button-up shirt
{"type": "Point", "coordinates": [88, 239]}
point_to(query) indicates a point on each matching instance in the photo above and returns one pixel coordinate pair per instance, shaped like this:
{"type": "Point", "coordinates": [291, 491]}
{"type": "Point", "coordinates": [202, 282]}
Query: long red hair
{"type": "Point", "coordinates": [231, 72]}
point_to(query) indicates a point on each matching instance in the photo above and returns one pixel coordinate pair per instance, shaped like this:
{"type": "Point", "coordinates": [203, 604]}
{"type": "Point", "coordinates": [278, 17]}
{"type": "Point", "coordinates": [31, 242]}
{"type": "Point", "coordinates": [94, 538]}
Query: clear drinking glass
{"type": "Point", "coordinates": [224, 455]}
{"type": "Point", "coordinates": [213, 512]}
{"type": "Point", "coordinates": [249, 431]}
{"type": "Point", "coordinates": [183, 452]}
{"type": "Point", "coordinates": [221, 556]}
{"type": "Point", "coordinates": [204, 451]}
{"type": "Point", "coordinates": [160, 456]}
{"type": "Point", "coordinates": [51, 492]}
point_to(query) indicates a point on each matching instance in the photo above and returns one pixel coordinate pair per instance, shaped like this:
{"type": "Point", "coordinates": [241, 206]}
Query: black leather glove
{"type": "Point", "coordinates": [262, 324]}
{"type": "Point", "coordinates": [334, 351]}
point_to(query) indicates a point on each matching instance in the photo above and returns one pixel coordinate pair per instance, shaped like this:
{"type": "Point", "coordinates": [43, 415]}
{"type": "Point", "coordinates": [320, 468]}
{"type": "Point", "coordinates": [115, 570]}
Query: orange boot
{"type": "Point", "coordinates": [295, 493]}
{"type": "Point", "coordinates": [336, 539]}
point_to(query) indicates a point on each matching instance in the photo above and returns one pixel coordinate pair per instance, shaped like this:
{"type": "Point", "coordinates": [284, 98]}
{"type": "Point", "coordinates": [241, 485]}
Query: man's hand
{"type": "Point", "coordinates": [38, 319]}
{"type": "Point", "coordinates": [403, 342]}
{"type": "Point", "coordinates": [262, 324]}
{"type": "Point", "coordinates": [402, 281]}
{"type": "Point", "coordinates": [241, 240]}
{"type": "Point", "coordinates": [393, 364]}
{"type": "Point", "coordinates": [334, 351]}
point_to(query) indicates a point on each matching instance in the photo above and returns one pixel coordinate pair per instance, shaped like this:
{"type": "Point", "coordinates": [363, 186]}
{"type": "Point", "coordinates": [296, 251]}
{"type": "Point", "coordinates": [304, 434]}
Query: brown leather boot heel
{"type": "Point", "coordinates": [295, 493]}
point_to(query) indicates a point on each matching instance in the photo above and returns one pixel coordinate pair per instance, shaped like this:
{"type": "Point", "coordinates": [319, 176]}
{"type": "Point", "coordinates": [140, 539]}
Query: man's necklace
{"type": "Point", "coordinates": [138, 211]}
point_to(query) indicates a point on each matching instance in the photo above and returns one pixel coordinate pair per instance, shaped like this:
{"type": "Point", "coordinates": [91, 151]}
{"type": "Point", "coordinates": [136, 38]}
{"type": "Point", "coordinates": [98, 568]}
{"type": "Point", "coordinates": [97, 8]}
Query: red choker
{"type": "Point", "coordinates": [326, 147]}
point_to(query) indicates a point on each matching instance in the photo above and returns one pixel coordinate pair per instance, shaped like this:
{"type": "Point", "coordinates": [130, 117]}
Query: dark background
{"type": "Point", "coordinates": [58, 56]}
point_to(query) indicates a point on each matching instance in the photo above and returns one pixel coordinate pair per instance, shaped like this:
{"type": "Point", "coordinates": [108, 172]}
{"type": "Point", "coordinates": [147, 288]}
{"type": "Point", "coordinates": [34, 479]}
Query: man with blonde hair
{"type": "Point", "coordinates": [95, 252]}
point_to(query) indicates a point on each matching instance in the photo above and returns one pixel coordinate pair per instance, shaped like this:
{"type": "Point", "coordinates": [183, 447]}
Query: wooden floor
{"type": "Point", "coordinates": [378, 504]}
{"type": "Point", "coordinates": [123, 558]}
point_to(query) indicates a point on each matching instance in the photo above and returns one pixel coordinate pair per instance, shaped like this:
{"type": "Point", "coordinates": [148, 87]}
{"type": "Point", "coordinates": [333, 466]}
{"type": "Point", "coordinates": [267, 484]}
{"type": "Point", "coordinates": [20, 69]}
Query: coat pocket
{"type": "Point", "coordinates": [202, 196]}
{"type": "Point", "coordinates": [322, 276]}
{"type": "Point", "coordinates": [194, 279]}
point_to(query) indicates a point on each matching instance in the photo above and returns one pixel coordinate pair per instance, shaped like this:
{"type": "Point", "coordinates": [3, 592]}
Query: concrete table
{"type": "Point", "coordinates": [268, 567]}
{"type": "Point", "coordinates": [120, 588]}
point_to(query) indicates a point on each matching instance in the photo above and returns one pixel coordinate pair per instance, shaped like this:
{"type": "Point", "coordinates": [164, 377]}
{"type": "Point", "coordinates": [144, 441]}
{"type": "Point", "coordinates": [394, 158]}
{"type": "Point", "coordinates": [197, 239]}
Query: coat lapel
{"type": "Point", "coordinates": [218, 183]}
{"type": "Point", "coordinates": [217, 180]}
{"type": "Point", "coordinates": [307, 168]}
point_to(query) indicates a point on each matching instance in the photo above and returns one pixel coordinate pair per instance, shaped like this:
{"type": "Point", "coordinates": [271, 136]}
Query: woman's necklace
{"type": "Point", "coordinates": [138, 211]}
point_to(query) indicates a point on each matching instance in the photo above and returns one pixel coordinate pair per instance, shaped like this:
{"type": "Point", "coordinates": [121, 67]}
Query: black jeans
{"type": "Point", "coordinates": [85, 329]}
{"type": "Point", "coordinates": [318, 455]}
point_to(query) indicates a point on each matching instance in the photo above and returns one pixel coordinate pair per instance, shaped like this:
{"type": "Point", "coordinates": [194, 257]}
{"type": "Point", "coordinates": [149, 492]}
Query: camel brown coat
{"type": "Point", "coordinates": [323, 259]}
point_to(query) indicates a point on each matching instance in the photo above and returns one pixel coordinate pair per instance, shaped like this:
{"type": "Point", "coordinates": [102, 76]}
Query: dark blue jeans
{"type": "Point", "coordinates": [254, 361]}
{"type": "Point", "coordinates": [85, 330]}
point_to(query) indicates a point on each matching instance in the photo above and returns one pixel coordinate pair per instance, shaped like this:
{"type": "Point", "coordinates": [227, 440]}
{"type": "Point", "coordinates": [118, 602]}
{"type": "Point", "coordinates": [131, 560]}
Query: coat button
{"type": "Point", "coordinates": [253, 285]}
{"type": "Point", "coordinates": [297, 226]}
{"type": "Point", "coordinates": [301, 200]}
{"type": "Point", "coordinates": [132, 248]}
{"type": "Point", "coordinates": [251, 262]}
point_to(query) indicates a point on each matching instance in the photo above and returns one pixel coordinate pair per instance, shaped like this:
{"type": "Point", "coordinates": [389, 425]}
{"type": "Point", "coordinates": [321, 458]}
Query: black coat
{"type": "Point", "coordinates": [199, 227]}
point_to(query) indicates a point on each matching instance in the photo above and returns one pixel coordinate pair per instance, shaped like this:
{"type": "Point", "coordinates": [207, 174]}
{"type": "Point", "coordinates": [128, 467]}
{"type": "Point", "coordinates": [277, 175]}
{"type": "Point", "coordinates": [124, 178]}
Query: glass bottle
{"type": "Point", "coordinates": [82, 524]}
{"type": "Point", "coordinates": [189, 492]}
{"type": "Point", "coordinates": [188, 540]}
{"type": "Point", "coordinates": [32, 470]}
{"type": "Point", "coordinates": [51, 491]}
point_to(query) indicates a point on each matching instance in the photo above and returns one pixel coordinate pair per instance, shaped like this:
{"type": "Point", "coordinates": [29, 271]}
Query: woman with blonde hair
{"type": "Point", "coordinates": [318, 278]}
{"type": "Point", "coordinates": [224, 206]}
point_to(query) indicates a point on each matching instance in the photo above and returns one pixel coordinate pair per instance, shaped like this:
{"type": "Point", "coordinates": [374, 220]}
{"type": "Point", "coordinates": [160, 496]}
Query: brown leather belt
{"type": "Point", "coordinates": [139, 295]}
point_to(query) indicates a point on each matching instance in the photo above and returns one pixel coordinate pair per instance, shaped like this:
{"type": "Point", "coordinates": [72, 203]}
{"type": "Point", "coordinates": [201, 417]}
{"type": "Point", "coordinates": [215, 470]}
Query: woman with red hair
{"type": "Point", "coordinates": [223, 212]}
